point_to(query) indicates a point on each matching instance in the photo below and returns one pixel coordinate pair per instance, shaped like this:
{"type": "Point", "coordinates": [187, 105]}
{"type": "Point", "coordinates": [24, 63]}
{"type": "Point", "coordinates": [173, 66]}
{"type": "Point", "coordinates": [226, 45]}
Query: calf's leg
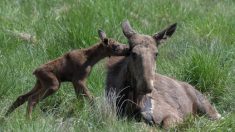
{"type": "Point", "coordinates": [80, 88]}
{"type": "Point", "coordinates": [23, 98]}
{"type": "Point", "coordinates": [50, 85]}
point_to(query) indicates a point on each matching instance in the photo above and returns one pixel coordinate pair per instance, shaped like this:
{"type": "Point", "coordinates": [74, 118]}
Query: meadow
{"type": "Point", "coordinates": [32, 32]}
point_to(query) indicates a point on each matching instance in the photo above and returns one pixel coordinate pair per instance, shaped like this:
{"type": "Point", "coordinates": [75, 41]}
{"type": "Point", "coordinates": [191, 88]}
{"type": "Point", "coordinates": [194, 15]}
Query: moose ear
{"type": "Point", "coordinates": [103, 37]}
{"type": "Point", "coordinates": [102, 34]}
{"type": "Point", "coordinates": [127, 29]}
{"type": "Point", "coordinates": [163, 35]}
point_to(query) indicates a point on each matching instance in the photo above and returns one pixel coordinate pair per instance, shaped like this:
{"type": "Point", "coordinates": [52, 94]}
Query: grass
{"type": "Point", "coordinates": [201, 52]}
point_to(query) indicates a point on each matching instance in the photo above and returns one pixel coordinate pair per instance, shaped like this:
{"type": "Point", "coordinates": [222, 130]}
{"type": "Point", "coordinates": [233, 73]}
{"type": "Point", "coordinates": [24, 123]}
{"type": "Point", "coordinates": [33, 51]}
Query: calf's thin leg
{"type": "Point", "coordinates": [23, 98]}
{"type": "Point", "coordinates": [35, 98]}
{"type": "Point", "coordinates": [50, 85]}
{"type": "Point", "coordinates": [80, 88]}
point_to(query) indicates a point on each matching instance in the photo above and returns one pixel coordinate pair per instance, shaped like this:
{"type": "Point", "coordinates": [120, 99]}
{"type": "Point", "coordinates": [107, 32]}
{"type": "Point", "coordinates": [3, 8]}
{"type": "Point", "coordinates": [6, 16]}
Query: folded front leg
{"type": "Point", "coordinates": [146, 110]}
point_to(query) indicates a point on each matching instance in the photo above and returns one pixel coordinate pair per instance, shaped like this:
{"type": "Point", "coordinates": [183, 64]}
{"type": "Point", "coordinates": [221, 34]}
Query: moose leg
{"type": "Point", "coordinates": [205, 107]}
{"type": "Point", "coordinates": [50, 85]}
{"type": "Point", "coordinates": [80, 87]}
{"type": "Point", "coordinates": [33, 100]}
{"type": "Point", "coordinates": [23, 98]}
{"type": "Point", "coordinates": [209, 110]}
{"type": "Point", "coordinates": [147, 110]}
{"type": "Point", "coordinates": [170, 121]}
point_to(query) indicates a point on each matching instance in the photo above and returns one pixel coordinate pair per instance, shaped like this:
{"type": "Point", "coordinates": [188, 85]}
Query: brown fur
{"type": "Point", "coordinates": [140, 91]}
{"type": "Point", "coordinates": [74, 66]}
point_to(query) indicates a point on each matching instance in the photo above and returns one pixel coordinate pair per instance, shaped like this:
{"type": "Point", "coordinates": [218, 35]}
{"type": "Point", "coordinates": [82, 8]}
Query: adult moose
{"type": "Point", "coordinates": [74, 66]}
{"type": "Point", "coordinates": [158, 99]}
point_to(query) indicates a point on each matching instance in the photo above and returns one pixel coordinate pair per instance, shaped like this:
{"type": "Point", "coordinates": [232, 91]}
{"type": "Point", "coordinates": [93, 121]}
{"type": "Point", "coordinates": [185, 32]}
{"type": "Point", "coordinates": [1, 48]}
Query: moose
{"type": "Point", "coordinates": [157, 99]}
{"type": "Point", "coordinates": [74, 66]}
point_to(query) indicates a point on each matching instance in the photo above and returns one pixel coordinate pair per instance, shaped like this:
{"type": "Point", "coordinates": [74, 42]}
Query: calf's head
{"type": "Point", "coordinates": [112, 47]}
{"type": "Point", "coordinates": [143, 53]}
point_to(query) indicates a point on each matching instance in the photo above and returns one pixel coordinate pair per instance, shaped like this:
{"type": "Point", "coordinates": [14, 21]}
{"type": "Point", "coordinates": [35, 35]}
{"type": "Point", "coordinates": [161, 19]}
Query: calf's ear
{"type": "Point", "coordinates": [164, 34]}
{"type": "Point", "coordinates": [103, 37]}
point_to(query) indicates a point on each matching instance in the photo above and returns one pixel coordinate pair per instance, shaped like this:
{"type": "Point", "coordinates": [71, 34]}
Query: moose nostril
{"type": "Point", "coordinates": [149, 90]}
{"type": "Point", "coordinates": [149, 86]}
{"type": "Point", "coordinates": [146, 91]}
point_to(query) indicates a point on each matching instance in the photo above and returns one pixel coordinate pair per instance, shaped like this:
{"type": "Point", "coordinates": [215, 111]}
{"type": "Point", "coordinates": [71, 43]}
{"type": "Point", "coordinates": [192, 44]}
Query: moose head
{"type": "Point", "coordinates": [143, 53]}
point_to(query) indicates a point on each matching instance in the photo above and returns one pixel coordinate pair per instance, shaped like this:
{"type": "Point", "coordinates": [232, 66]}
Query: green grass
{"type": "Point", "coordinates": [201, 52]}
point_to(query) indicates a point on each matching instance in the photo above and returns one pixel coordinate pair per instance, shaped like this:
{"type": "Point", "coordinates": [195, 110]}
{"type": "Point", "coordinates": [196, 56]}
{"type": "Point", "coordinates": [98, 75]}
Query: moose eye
{"type": "Point", "coordinates": [134, 55]}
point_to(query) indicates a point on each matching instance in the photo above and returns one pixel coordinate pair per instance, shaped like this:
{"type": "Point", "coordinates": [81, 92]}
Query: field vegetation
{"type": "Point", "coordinates": [32, 32]}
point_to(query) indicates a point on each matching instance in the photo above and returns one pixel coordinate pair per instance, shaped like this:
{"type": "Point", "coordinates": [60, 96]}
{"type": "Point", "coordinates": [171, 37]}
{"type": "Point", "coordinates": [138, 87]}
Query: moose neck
{"type": "Point", "coordinates": [95, 54]}
{"type": "Point", "coordinates": [133, 80]}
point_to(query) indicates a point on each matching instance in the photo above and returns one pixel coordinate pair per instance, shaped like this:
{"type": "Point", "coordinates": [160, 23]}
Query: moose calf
{"type": "Point", "coordinates": [74, 66]}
